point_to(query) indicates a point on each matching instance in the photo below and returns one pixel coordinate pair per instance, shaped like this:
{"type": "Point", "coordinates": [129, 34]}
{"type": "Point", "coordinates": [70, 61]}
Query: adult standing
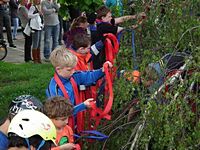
{"type": "Point", "coordinates": [51, 25]}
{"type": "Point", "coordinates": [36, 24]}
{"type": "Point", "coordinates": [5, 20]}
{"type": "Point", "coordinates": [23, 16]}
{"type": "Point", "coordinates": [14, 17]}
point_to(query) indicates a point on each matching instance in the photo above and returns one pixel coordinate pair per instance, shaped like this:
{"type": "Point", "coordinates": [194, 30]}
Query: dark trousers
{"type": "Point", "coordinates": [5, 20]}
{"type": "Point", "coordinates": [64, 26]}
{"type": "Point", "coordinates": [27, 47]}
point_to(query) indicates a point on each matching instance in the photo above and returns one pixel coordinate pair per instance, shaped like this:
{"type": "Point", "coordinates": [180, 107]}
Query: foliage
{"type": "Point", "coordinates": [82, 5]}
{"type": "Point", "coordinates": [171, 124]}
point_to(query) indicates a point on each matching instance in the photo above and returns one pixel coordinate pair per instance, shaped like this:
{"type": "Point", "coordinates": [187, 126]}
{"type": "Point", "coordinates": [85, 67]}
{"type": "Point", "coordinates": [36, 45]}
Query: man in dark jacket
{"type": "Point", "coordinates": [5, 20]}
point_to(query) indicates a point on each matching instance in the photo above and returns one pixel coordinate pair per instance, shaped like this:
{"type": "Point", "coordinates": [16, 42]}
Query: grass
{"type": "Point", "coordinates": [19, 79]}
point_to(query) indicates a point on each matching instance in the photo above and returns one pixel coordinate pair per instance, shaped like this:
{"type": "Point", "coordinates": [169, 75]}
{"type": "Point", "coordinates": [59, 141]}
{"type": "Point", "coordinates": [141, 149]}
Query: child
{"type": "Point", "coordinates": [155, 73]}
{"type": "Point", "coordinates": [81, 48]}
{"type": "Point", "coordinates": [58, 109]}
{"type": "Point", "coordinates": [18, 104]}
{"type": "Point", "coordinates": [23, 16]}
{"type": "Point", "coordinates": [64, 63]}
{"type": "Point", "coordinates": [30, 130]}
{"type": "Point", "coordinates": [79, 25]}
{"type": "Point", "coordinates": [66, 82]}
{"type": "Point", "coordinates": [106, 24]}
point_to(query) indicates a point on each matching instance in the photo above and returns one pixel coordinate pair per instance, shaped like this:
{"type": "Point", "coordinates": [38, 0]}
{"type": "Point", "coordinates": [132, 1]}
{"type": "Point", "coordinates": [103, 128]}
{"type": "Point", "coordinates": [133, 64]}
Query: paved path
{"type": "Point", "coordinates": [16, 55]}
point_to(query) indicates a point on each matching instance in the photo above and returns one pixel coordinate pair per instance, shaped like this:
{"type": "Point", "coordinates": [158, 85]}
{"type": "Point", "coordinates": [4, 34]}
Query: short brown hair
{"type": "Point", "coordinates": [60, 56]}
{"type": "Point", "coordinates": [58, 106]}
{"type": "Point", "coordinates": [102, 12]}
{"type": "Point", "coordinates": [81, 40]}
{"type": "Point", "coordinates": [77, 21]}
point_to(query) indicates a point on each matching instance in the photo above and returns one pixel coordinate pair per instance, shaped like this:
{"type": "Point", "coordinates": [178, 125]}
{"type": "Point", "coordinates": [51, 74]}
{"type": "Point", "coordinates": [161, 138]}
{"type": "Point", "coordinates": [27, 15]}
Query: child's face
{"type": "Point", "coordinates": [83, 50]}
{"type": "Point", "coordinates": [108, 17]}
{"type": "Point", "coordinates": [84, 25]}
{"type": "Point", "coordinates": [65, 72]}
{"type": "Point", "coordinates": [60, 122]}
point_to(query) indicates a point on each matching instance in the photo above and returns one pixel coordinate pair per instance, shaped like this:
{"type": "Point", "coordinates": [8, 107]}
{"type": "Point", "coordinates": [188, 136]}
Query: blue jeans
{"type": "Point", "coordinates": [50, 31]}
{"type": "Point", "coordinates": [15, 27]}
{"type": "Point", "coordinates": [36, 39]}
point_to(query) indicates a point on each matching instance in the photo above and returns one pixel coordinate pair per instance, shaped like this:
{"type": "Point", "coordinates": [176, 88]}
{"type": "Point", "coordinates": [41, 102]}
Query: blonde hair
{"type": "Point", "coordinates": [62, 57]}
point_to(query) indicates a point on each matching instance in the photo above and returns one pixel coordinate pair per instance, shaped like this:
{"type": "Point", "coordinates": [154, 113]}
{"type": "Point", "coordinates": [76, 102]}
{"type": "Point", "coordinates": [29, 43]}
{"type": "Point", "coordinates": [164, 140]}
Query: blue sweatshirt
{"type": "Point", "coordinates": [3, 141]}
{"type": "Point", "coordinates": [85, 78]}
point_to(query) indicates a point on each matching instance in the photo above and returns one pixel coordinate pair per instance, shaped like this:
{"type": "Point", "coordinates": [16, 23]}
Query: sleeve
{"type": "Point", "coordinates": [106, 28]}
{"type": "Point", "coordinates": [88, 78]}
{"type": "Point", "coordinates": [97, 47]}
{"type": "Point", "coordinates": [78, 108]}
{"type": "Point", "coordinates": [22, 11]}
{"type": "Point", "coordinates": [56, 6]}
{"type": "Point", "coordinates": [45, 10]}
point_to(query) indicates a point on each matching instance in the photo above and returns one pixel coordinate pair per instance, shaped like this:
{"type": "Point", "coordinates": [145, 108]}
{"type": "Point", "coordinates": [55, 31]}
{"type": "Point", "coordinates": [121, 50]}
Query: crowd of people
{"type": "Point", "coordinates": [89, 44]}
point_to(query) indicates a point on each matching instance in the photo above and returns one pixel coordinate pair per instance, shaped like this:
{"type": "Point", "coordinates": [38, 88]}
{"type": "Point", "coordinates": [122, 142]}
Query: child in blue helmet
{"type": "Point", "coordinates": [155, 73]}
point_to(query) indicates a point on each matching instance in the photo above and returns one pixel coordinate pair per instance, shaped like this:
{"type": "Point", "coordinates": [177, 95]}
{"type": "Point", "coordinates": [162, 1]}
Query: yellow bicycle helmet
{"type": "Point", "coordinates": [28, 123]}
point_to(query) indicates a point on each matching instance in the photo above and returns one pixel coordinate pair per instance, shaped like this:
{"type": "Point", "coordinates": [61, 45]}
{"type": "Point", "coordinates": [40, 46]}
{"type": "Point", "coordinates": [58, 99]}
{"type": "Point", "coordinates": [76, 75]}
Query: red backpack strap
{"type": "Point", "coordinates": [64, 91]}
{"type": "Point", "coordinates": [97, 114]}
{"type": "Point", "coordinates": [111, 46]}
{"type": "Point", "coordinates": [61, 86]}
{"type": "Point", "coordinates": [80, 115]}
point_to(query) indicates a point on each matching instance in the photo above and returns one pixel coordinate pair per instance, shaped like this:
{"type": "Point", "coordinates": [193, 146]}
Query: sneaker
{"type": "Point", "coordinates": [46, 60]}
{"type": "Point", "coordinates": [12, 45]}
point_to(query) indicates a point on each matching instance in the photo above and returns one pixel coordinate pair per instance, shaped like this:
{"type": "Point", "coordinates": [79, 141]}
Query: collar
{"type": "Point", "coordinates": [64, 80]}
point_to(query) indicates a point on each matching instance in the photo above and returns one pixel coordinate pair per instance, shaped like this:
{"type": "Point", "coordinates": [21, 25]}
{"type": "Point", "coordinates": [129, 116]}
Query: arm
{"type": "Point", "coordinates": [23, 12]}
{"type": "Point", "coordinates": [13, 4]}
{"type": "Point", "coordinates": [124, 18]}
{"type": "Point", "coordinates": [68, 146]}
{"type": "Point", "coordinates": [56, 5]}
{"type": "Point", "coordinates": [82, 106]}
{"type": "Point", "coordinates": [47, 11]}
{"type": "Point", "coordinates": [88, 78]}
{"type": "Point", "coordinates": [31, 11]}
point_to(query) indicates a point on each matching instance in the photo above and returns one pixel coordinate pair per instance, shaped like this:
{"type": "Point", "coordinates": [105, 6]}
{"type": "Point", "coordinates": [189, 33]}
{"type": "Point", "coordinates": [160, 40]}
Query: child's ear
{"type": "Point", "coordinates": [58, 69]}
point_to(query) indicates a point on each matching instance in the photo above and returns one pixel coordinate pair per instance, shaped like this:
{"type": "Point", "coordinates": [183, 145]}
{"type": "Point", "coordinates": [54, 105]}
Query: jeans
{"type": "Point", "coordinates": [50, 31]}
{"type": "Point", "coordinates": [5, 19]}
{"type": "Point", "coordinates": [36, 39]}
{"type": "Point", "coordinates": [15, 27]}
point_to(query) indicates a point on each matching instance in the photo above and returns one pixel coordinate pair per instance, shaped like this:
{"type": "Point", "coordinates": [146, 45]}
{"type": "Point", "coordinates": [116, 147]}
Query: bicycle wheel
{"type": "Point", "coordinates": [3, 51]}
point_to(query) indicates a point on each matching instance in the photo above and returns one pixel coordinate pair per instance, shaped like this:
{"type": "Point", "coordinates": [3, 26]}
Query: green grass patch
{"type": "Point", "coordinates": [19, 79]}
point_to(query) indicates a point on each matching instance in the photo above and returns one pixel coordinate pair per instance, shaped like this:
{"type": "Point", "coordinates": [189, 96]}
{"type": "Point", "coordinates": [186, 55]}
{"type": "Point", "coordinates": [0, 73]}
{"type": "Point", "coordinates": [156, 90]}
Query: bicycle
{"type": "Point", "coordinates": [3, 49]}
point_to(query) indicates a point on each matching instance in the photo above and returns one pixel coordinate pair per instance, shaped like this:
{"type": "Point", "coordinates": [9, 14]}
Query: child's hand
{"type": "Point", "coordinates": [87, 102]}
{"type": "Point", "coordinates": [110, 65]}
{"type": "Point", "coordinates": [141, 15]}
{"type": "Point", "coordinates": [68, 146]}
